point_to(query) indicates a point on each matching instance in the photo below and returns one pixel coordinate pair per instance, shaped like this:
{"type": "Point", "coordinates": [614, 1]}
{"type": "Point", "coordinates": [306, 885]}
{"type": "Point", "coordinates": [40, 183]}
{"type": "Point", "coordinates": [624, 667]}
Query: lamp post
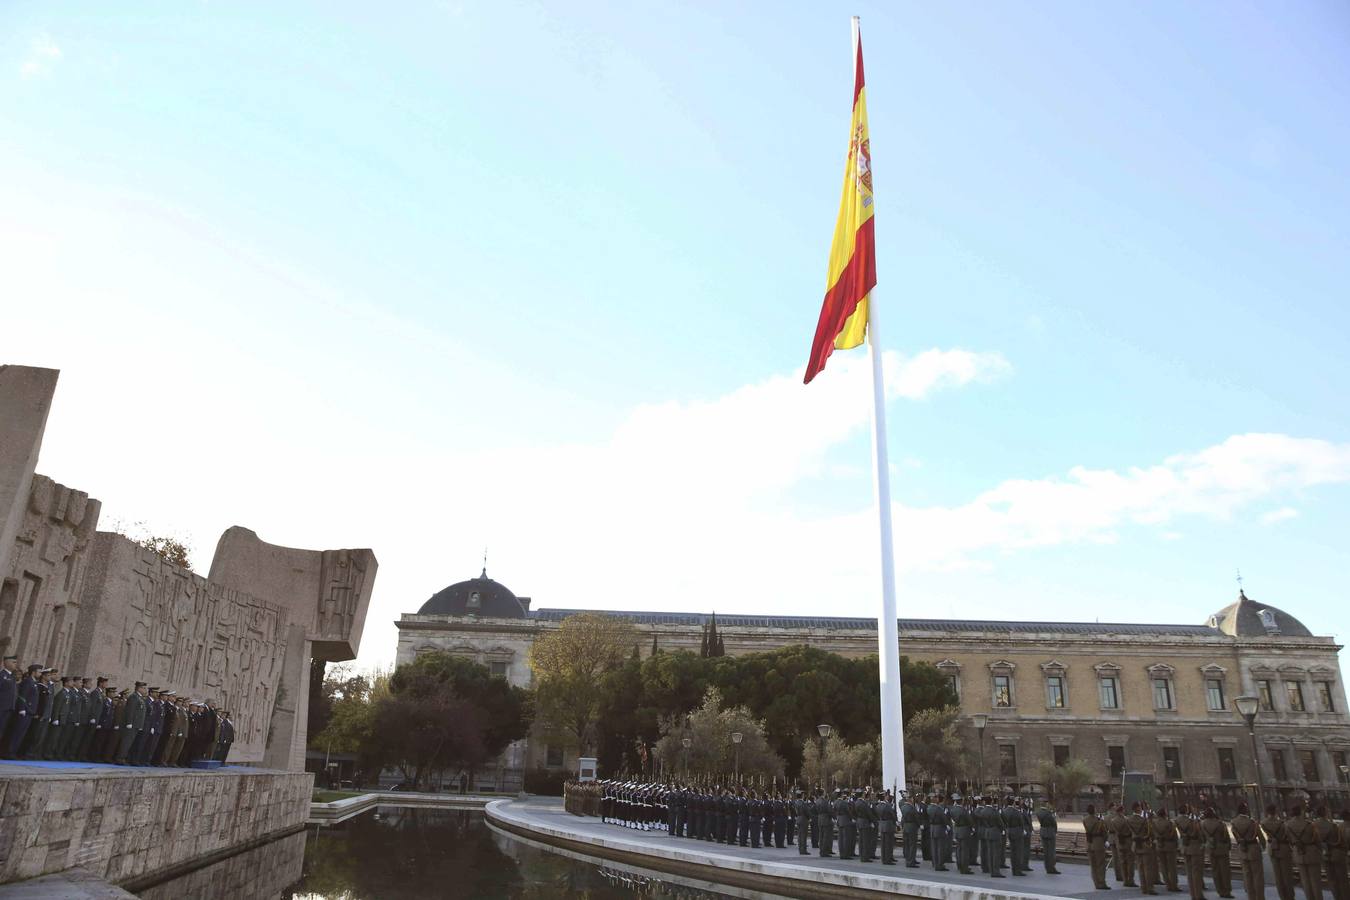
{"type": "Point", "coordinates": [687, 743]}
{"type": "Point", "coordinates": [1247, 705]}
{"type": "Point", "coordinates": [981, 721]}
{"type": "Point", "coordinates": [736, 738]}
{"type": "Point", "coordinates": [824, 731]}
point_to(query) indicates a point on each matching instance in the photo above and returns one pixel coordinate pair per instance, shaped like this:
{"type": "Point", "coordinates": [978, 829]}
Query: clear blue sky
{"type": "Point", "coordinates": [543, 277]}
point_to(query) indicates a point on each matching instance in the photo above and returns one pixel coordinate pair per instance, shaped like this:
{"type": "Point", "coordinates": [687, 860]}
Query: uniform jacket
{"type": "Point", "coordinates": [134, 715]}
{"type": "Point", "coordinates": [60, 704]}
{"type": "Point", "coordinates": [8, 690]}
{"type": "Point", "coordinates": [26, 697]}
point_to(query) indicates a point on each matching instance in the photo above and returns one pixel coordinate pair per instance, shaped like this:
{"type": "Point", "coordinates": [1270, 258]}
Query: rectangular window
{"type": "Point", "coordinates": [1007, 760]}
{"type": "Point", "coordinates": [1117, 757]}
{"type": "Point", "coordinates": [1295, 691]}
{"type": "Point", "coordinates": [555, 757]}
{"type": "Point", "coordinates": [1342, 771]}
{"type": "Point", "coordinates": [1277, 765]}
{"type": "Point", "coordinates": [1061, 753]}
{"type": "Point", "coordinates": [1109, 689]}
{"type": "Point", "coordinates": [1267, 697]}
{"type": "Point", "coordinates": [1214, 693]}
{"type": "Point", "coordinates": [1324, 701]}
{"type": "Point", "coordinates": [1162, 693]}
{"type": "Point", "coordinates": [1308, 761]}
{"type": "Point", "coordinates": [1054, 691]}
{"type": "Point", "coordinates": [1227, 766]}
{"type": "Point", "coordinates": [951, 686]}
{"type": "Point", "coordinates": [497, 668]}
{"type": "Point", "coordinates": [1003, 690]}
{"type": "Point", "coordinates": [1172, 763]}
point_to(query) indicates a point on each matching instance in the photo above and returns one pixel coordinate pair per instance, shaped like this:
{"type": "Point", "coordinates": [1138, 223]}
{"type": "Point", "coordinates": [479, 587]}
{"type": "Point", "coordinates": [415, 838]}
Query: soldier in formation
{"type": "Point", "coordinates": [45, 715]}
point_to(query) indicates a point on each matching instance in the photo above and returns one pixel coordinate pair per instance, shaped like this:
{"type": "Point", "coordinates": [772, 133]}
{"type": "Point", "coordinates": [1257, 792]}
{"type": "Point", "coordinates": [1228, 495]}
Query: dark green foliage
{"type": "Point", "coordinates": [545, 782]}
{"type": "Point", "coordinates": [791, 689]}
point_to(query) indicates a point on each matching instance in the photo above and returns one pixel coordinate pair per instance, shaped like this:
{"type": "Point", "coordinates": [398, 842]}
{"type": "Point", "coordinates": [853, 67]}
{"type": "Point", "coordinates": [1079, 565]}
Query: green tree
{"type": "Point", "coordinates": [505, 711]}
{"type": "Point", "coordinates": [569, 667]}
{"type": "Point", "coordinates": [935, 751]}
{"type": "Point", "coordinates": [1064, 783]}
{"type": "Point", "coordinates": [712, 750]}
{"type": "Point", "coordinates": [846, 764]}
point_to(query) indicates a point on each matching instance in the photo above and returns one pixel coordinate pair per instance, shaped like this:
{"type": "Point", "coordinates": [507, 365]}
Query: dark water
{"type": "Point", "coordinates": [417, 854]}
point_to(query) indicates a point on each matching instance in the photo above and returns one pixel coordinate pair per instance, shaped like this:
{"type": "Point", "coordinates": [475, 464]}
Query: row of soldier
{"type": "Point", "coordinates": [48, 716]}
{"type": "Point", "coordinates": [1147, 843]}
{"type": "Point", "coordinates": [866, 825]}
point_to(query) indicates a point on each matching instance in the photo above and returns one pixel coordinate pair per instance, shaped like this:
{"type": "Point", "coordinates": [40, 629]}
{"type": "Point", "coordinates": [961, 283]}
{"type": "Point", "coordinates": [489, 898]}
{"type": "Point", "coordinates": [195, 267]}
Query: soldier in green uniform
{"type": "Point", "coordinates": [909, 826]}
{"type": "Point", "coordinates": [133, 721]}
{"type": "Point", "coordinates": [1281, 852]}
{"type": "Point", "coordinates": [1303, 839]}
{"type": "Point", "coordinates": [1049, 823]}
{"type": "Point", "coordinates": [886, 820]}
{"type": "Point", "coordinates": [1219, 846]}
{"type": "Point", "coordinates": [51, 742]}
{"type": "Point", "coordinates": [865, 811]}
{"type": "Point", "coordinates": [990, 823]}
{"type": "Point", "coordinates": [1145, 853]}
{"type": "Point", "coordinates": [1094, 832]}
{"type": "Point", "coordinates": [843, 823]}
{"type": "Point", "coordinates": [1122, 844]}
{"type": "Point", "coordinates": [825, 823]}
{"type": "Point", "coordinates": [1013, 827]}
{"type": "Point", "coordinates": [939, 833]}
{"type": "Point", "coordinates": [963, 832]}
{"type": "Point", "coordinates": [1333, 852]}
{"type": "Point", "coordinates": [1192, 851]}
{"type": "Point", "coordinates": [1166, 839]}
{"type": "Point", "coordinates": [1251, 842]}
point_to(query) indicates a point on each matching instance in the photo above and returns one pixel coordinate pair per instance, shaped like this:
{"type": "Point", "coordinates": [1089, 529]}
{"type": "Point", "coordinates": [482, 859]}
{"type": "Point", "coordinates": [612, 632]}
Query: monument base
{"type": "Point", "coordinates": [127, 824]}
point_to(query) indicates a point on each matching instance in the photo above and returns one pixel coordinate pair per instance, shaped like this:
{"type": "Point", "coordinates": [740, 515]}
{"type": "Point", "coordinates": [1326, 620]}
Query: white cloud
{"type": "Point", "coordinates": [1283, 514]}
{"type": "Point", "coordinates": [43, 54]}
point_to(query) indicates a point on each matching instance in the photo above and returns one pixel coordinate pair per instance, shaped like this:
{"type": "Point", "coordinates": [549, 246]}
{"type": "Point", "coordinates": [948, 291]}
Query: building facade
{"type": "Point", "coordinates": [1154, 699]}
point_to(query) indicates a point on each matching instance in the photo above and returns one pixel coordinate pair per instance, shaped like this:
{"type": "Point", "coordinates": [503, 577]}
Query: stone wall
{"type": "Point", "coordinates": [123, 826]}
{"type": "Point", "coordinates": [262, 873]}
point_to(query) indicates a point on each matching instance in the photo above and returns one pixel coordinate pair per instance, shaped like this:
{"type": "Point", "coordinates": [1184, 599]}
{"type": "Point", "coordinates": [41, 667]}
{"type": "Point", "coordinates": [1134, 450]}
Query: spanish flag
{"type": "Point", "coordinates": [853, 255]}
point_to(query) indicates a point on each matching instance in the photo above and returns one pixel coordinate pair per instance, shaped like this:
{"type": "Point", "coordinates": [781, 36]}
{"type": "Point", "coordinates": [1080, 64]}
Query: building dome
{"type": "Point", "coordinates": [1247, 618]}
{"type": "Point", "coordinates": [479, 596]}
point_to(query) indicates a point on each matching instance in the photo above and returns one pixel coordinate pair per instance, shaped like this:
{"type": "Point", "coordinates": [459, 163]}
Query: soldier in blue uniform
{"type": "Point", "coordinates": [9, 694]}
{"type": "Point", "coordinates": [42, 717]}
{"type": "Point", "coordinates": [25, 707]}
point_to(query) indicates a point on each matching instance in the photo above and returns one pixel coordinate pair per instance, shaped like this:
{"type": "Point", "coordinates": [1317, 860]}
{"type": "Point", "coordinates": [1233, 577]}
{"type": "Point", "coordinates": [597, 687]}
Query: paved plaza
{"type": "Point", "coordinates": [548, 818]}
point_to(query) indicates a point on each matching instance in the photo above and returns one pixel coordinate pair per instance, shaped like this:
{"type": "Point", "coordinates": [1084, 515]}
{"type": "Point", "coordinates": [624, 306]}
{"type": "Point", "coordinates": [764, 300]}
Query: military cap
{"type": "Point", "coordinates": [155, 690]}
{"type": "Point", "coordinates": [8, 658]}
{"type": "Point", "coordinates": [35, 667]}
{"type": "Point", "coordinates": [48, 671]}
{"type": "Point", "coordinates": [140, 684]}
{"type": "Point", "coordinates": [103, 679]}
{"type": "Point", "coordinates": [170, 693]}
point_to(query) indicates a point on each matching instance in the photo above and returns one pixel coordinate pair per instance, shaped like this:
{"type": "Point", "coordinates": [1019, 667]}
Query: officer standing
{"type": "Point", "coordinates": [1333, 852]}
{"type": "Point", "coordinates": [925, 833]}
{"type": "Point", "coordinates": [864, 812]}
{"type": "Point", "coordinates": [25, 707]}
{"type": "Point", "coordinates": [801, 810]}
{"type": "Point", "coordinates": [1303, 838]}
{"type": "Point", "coordinates": [1094, 832]}
{"type": "Point", "coordinates": [909, 825]}
{"type": "Point", "coordinates": [963, 831]}
{"type": "Point", "coordinates": [133, 724]}
{"type": "Point", "coordinates": [1049, 830]}
{"type": "Point", "coordinates": [42, 717]}
{"type": "Point", "coordinates": [1251, 844]}
{"type": "Point", "coordinates": [1165, 838]}
{"type": "Point", "coordinates": [1012, 825]}
{"type": "Point", "coordinates": [1281, 852]}
{"type": "Point", "coordinates": [1219, 846]}
{"type": "Point", "coordinates": [9, 693]}
{"type": "Point", "coordinates": [843, 823]}
{"type": "Point", "coordinates": [991, 837]}
{"type": "Point", "coordinates": [1192, 851]}
{"type": "Point", "coordinates": [885, 810]}
{"type": "Point", "coordinates": [825, 823]}
{"type": "Point", "coordinates": [1145, 853]}
{"type": "Point", "coordinates": [939, 834]}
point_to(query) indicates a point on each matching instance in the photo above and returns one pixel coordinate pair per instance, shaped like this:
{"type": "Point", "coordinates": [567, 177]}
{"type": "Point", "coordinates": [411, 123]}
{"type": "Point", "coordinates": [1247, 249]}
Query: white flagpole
{"type": "Point", "coordinates": [888, 632]}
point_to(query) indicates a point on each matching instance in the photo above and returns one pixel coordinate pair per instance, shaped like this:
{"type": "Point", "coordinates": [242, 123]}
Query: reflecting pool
{"type": "Point", "coordinates": [396, 853]}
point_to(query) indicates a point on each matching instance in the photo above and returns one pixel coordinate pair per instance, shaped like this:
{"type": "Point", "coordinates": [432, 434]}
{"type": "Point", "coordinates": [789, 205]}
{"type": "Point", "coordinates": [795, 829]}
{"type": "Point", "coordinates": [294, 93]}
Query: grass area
{"type": "Point", "coordinates": [329, 796]}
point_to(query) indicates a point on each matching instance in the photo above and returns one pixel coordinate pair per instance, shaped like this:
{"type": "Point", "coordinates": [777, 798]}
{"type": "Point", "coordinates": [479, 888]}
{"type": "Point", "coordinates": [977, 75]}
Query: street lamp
{"type": "Point", "coordinates": [687, 742]}
{"type": "Point", "coordinates": [1247, 705]}
{"type": "Point", "coordinates": [824, 731]}
{"type": "Point", "coordinates": [736, 738]}
{"type": "Point", "coordinates": [981, 720]}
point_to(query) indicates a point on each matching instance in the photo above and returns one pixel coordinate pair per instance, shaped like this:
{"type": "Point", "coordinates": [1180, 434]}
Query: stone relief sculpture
{"type": "Point", "coordinates": [97, 603]}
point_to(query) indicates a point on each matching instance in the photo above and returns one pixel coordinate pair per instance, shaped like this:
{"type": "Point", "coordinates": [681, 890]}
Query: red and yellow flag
{"type": "Point", "coordinates": [853, 257]}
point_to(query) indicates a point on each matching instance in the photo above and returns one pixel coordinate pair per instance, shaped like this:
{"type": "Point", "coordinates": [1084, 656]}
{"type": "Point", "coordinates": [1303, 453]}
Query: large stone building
{"type": "Point", "coordinates": [1155, 699]}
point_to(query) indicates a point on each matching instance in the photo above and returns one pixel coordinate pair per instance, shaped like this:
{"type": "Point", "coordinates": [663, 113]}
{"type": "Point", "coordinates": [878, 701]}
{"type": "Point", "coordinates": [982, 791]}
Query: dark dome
{"type": "Point", "coordinates": [1247, 618]}
{"type": "Point", "coordinates": [479, 596]}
